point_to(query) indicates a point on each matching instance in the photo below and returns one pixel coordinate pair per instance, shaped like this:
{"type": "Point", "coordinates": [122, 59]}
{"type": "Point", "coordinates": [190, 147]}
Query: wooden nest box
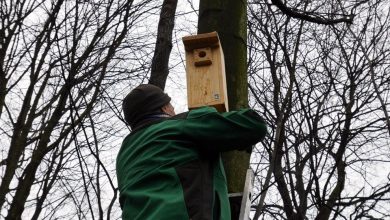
{"type": "Point", "coordinates": [205, 67]}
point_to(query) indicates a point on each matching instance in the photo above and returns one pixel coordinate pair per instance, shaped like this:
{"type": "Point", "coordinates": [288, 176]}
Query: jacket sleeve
{"type": "Point", "coordinates": [235, 130]}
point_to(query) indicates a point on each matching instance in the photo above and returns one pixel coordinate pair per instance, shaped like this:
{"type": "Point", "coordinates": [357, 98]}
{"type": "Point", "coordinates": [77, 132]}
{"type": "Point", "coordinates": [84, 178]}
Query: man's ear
{"type": "Point", "coordinates": [168, 109]}
{"type": "Point", "coordinates": [164, 109]}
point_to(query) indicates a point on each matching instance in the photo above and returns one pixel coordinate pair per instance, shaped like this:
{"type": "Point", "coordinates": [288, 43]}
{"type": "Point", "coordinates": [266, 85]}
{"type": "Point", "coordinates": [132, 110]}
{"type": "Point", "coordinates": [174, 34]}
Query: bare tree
{"type": "Point", "coordinates": [315, 12]}
{"type": "Point", "coordinates": [59, 62]}
{"type": "Point", "coordinates": [159, 71]}
{"type": "Point", "coordinates": [324, 91]}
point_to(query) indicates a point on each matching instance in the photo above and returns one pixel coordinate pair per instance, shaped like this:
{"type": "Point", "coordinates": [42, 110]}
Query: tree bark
{"type": "Point", "coordinates": [160, 71]}
{"type": "Point", "coordinates": [229, 18]}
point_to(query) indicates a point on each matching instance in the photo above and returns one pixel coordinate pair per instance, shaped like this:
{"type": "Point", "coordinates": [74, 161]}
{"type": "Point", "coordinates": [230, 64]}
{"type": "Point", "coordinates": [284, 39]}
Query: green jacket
{"type": "Point", "coordinates": [171, 168]}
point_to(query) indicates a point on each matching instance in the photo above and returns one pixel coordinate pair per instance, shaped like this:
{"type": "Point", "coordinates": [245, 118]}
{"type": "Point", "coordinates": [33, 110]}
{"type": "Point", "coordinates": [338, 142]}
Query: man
{"type": "Point", "coordinates": [169, 166]}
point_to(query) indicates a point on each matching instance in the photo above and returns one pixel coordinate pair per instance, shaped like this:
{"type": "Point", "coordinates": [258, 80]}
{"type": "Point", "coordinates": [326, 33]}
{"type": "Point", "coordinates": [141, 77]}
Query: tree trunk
{"type": "Point", "coordinates": [228, 18]}
{"type": "Point", "coordinates": [159, 73]}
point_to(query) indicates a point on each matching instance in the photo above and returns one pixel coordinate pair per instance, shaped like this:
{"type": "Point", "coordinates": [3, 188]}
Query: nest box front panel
{"type": "Point", "coordinates": [205, 68]}
{"type": "Point", "coordinates": [203, 86]}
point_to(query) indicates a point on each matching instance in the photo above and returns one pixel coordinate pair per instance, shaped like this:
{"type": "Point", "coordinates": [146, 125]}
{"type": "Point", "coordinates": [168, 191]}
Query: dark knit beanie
{"type": "Point", "coordinates": [144, 100]}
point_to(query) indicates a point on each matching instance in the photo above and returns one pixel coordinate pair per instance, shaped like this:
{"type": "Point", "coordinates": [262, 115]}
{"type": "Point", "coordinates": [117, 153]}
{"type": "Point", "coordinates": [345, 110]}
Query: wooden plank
{"type": "Point", "coordinates": [201, 40]}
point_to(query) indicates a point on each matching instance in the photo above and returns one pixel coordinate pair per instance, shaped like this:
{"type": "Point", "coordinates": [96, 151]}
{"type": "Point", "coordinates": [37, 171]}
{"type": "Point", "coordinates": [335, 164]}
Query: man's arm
{"type": "Point", "coordinates": [224, 131]}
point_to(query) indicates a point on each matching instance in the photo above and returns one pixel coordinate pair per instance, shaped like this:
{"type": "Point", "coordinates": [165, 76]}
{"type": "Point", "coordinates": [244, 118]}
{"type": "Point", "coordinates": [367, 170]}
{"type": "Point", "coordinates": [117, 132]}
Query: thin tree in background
{"type": "Point", "coordinates": [160, 62]}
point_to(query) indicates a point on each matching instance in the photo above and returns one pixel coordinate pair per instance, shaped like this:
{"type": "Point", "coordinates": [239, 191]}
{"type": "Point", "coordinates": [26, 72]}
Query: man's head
{"type": "Point", "coordinates": [145, 100]}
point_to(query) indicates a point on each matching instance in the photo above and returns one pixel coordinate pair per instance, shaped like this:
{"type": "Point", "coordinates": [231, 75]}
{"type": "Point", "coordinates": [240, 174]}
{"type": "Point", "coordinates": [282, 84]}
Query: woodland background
{"type": "Point", "coordinates": [318, 72]}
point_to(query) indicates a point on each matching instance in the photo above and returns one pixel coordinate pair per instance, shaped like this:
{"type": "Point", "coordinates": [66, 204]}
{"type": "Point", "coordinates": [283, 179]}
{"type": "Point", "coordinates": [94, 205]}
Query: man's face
{"type": "Point", "coordinates": [168, 109]}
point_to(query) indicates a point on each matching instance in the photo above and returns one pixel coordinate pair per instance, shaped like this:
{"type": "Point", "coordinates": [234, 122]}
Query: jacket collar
{"type": "Point", "coordinates": [149, 120]}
